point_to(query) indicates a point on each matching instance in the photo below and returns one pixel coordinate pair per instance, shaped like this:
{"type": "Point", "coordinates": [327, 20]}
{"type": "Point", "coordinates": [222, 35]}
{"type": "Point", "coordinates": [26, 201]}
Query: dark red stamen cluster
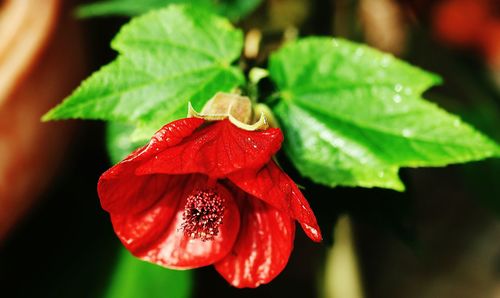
{"type": "Point", "coordinates": [203, 214]}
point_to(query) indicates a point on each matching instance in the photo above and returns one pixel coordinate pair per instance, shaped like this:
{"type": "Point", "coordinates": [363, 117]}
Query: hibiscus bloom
{"type": "Point", "coordinates": [208, 192]}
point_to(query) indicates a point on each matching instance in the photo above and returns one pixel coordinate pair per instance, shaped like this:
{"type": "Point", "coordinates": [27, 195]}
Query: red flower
{"type": "Point", "coordinates": [472, 24]}
{"type": "Point", "coordinates": [459, 22]}
{"type": "Point", "coordinates": [203, 193]}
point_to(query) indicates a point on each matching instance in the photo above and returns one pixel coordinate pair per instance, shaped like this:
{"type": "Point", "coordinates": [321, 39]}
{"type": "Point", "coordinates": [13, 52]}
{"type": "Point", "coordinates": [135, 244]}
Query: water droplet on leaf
{"type": "Point", "coordinates": [397, 98]}
{"type": "Point", "coordinates": [407, 132]}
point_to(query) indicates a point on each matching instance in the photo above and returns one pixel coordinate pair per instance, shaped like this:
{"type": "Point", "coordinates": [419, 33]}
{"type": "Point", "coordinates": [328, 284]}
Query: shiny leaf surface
{"type": "Point", "coordinates": [353, 116]}
{"type": "Point", "coordinates": [166, 58]}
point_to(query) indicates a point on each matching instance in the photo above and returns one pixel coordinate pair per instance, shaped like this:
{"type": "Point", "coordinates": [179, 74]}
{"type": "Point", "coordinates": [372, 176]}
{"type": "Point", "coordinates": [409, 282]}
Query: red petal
{"type": "Point", "coordinates": [120, 188]}
{"type": "Point", "coordinates": [176, 250]}
{"type": "Point", "coordinates": [130, 193]}
{"type": "Point", "coordinates": [263, 246]}
{"type": "Point", "coordinates": [172, 134]}
{"type": "Point", "coordinates": [273, 186]}
{"type": "Point", "coordinates": [151, 212]}
{"type": "Point", "coordinates": [216, 150]}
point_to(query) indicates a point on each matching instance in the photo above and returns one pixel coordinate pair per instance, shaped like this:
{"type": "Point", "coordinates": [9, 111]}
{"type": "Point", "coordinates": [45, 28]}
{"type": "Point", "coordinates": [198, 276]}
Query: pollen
{"type": "Point", "coordinates": [203, 214]}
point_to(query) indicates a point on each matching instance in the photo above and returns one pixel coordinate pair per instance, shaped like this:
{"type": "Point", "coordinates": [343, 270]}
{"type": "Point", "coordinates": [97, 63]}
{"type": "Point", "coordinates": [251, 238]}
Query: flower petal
{"type": "Point", "coordinates": [263, 246]}
{"type": "Point", "coordinates": [151, 211]}
{"type": "Point", "coordinates": [171, 134]}
{"type": "Point", "coordinates": [273, 186]}
{"type": "Point", "coordinates": [216, 150]}
{"type": "Point", "coordinates": [130, 193]}
{"type": "Point", "coordinates": [120, 188]}
{"type": "Point", "coordinates": [178, 251]}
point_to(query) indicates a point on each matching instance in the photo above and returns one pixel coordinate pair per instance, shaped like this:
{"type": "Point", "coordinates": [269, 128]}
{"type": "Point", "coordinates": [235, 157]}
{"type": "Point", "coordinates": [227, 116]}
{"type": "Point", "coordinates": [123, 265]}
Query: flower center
{"type": "Point", "coordinates": [203, 214]}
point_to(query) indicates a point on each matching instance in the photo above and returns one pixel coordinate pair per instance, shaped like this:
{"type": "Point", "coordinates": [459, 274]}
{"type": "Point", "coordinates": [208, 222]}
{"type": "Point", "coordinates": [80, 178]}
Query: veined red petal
{"type": "Point", "coordinates": [121, 190]}
{"type": "Point", "coordinates": [216, 150]}
{"type": "Point", "coordinates": [263, 246]}
{"type": "Point", "coordinates": [150, 213]}
{"type": "Point", "coordinates": [273, 186]}
{"type": "Point", "coordinates": [169, 135]}
{"type": "Point", "coordinates": [178, 251]}
{"type": "Point", "coordinates": [130, 193]}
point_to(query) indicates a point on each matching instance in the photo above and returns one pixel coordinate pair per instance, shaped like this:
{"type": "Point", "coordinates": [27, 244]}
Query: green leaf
{"type": "Point", "coordinates": [134, 278]}
{"type": "Point", "coordinates": [353, 116]}
{"type": "Point", "coordinates": [233, 9]}
{"type": "Point", "coordinates": [119, 141]}
{"type": "Point", "coordinates": [166, 58]}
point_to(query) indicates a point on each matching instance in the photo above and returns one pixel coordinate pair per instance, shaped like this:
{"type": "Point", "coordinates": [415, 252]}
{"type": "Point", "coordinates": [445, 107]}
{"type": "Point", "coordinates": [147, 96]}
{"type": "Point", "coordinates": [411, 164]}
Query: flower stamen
{"type": "Point", "coordinates": [203, 214]}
